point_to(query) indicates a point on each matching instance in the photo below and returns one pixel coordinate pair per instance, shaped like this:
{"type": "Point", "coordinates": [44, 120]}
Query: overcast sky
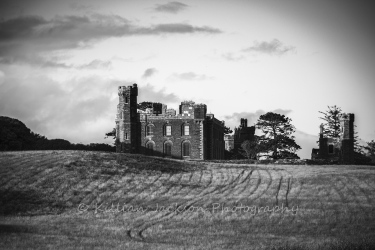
{"type": "Point", "coordinates": [62, 61]}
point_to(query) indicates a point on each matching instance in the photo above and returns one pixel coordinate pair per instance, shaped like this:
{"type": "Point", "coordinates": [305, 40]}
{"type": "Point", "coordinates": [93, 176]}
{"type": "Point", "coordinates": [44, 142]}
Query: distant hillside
{"type": "Point", "coordinates": [14, 135]}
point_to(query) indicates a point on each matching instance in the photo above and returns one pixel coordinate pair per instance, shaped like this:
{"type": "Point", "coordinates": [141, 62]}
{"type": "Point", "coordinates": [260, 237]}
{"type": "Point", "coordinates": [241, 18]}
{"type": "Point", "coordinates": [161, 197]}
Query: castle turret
{"type": "Point", "coordinates": [126, 120]}
{"type": "Point", "coordinates": [200, 111]}
{"type": "Point", "coordinates": [187, 108]}
{"type": "Point", "coordinates": [347, 137]}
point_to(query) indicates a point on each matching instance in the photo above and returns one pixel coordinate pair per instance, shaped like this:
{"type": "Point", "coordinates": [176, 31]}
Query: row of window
{"type": "Point", "coordinates": [167, 149]}
{"type": "Point", "coordinates": [185, 129]}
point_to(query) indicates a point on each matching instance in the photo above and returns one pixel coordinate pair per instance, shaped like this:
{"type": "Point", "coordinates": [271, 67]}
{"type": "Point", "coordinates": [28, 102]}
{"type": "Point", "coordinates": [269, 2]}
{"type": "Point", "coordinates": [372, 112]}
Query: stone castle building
{"type": "Point", "coordinates": [341, 149]}
{"type": "Point", "coordinates": [242, 133]}
{"type": "Point", "coordinates": [190, 134]}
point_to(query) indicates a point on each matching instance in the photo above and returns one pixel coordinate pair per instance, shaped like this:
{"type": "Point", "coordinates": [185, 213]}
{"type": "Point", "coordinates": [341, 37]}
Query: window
{"type": "Point", "coordinates": [186, 130]}
{"type": "Point", "coordinates": [150, 129]}
{"type": "Point", "coordinates": [126, 99]}
{"type": "Point", "coordinates": [126, 136]}
{"type": "Point", "coordinates": [168, 130]}
{"type": "Point", "coordinates": [150, 147]}
{"type": "Point", "coordinates": [168, 149]}
{"type": "Point", "coordinates": [330, 149]}
{"type": "Point", "coordinates": [186, 149]}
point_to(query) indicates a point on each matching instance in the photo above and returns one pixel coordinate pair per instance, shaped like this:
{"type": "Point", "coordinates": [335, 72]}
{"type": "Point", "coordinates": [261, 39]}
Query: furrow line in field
{"type": "Point", "coordinates": [370, 200]}
{"type": "Point", "coordinates": [136, 232]}
{"type": "Point", "coordinates": [262, 192]}
{"type": "Point", "coordinates": [16, 162]}
{"type": "Point", "coordinates": [343, 199]}
{"type": "Point", "coordinates": [252, 190]}
{"type": "Point", "coordinates": [232, 183]}
{"type": "Point", "coordinates": [145, 188]}
{"type": "Point", "coordinates": [278, 190]}
{"type": "Point", "coordinates": [26, 172]}
{"type": "Point", "coordinates": [353, 194]}
{"type": "Point", "coordinates": [95, 187]}
{"type": "Point", "coordinates": [191, 185]}
{"type": "Point", "coordinates": [43, 166]}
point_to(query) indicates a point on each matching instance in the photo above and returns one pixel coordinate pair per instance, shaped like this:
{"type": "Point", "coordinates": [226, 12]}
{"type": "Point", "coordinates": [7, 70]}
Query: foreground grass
{"type": "Point", "coordinates": [71, 199]}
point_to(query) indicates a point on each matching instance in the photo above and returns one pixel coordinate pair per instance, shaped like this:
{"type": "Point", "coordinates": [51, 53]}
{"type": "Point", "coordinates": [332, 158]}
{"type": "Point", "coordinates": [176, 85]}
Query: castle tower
{"type": "Point", "coordinates": [347, 138]}
{"type": "Point", "coordinates": [127, 119]}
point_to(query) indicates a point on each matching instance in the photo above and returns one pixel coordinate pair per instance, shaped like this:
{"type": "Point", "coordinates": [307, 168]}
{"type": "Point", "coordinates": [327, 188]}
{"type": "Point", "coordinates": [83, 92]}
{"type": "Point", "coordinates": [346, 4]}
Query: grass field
{"type": "Point", "coordinates": [72, 199]}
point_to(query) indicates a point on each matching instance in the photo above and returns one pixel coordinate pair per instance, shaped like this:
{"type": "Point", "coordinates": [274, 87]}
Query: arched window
{"type": "Point", "coordinates": [149, 129]}
{"type": "Point", "coordinates": [168, 130]}
{"type": "Point", "coordinates": [330, 149]}
{"type": "Point", "coordinates": [185, 129]}
{"type": "Point", "coordinates": [150, 147]}
{"type": "Point", "coordinates": [185, 149]}
{"type": "Point", "coordinates": [167, 148]}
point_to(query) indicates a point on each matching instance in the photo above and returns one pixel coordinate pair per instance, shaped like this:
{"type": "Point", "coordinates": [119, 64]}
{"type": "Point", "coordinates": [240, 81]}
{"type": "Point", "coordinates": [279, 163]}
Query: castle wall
{"type": "Point", "coordinates": [176, 139]}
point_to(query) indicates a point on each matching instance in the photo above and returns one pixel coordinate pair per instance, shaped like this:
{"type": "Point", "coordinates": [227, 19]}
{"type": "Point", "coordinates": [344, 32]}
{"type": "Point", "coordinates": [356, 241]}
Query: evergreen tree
{"type": "Point", "coordinates": [331, 127]}
{"type": "Point", "coordinates": [277, 141]}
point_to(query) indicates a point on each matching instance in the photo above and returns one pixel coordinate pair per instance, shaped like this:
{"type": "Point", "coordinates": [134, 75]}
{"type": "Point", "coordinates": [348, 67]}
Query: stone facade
{"type": "Point", "coordinates": [191, 134]}
{"type": "Point", "coordinates": [242, 133]}
{"type": "Point", "coordinates": [229, 142]}
{"type": "Point", "coordinates": [341, 149]}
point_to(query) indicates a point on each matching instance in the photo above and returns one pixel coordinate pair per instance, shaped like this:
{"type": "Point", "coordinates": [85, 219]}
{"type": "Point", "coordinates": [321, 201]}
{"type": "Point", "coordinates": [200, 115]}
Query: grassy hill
{"type": "Point", "coordinates": [78, 199]}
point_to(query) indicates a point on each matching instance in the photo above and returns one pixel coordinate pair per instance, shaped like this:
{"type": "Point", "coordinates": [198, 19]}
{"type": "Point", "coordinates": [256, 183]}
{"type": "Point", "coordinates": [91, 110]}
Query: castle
{"type": "Point", "coordinates": [190, 134]}
{"type": "Point", "coordinates": [341, 149]}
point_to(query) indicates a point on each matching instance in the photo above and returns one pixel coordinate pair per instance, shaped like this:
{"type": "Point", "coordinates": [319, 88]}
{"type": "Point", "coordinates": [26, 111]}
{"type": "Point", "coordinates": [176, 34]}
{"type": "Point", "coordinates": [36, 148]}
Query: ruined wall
{"type": "Point", "coordinates": [341, 149]}
{"type": "Point", "coordinates": [347, 138]}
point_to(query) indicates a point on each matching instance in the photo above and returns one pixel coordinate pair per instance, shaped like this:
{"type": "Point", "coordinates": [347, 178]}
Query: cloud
{"type": "Point", "coordinates": [190, 76]}
{"type": "Point", "coordinates": [307, 143]}
{"type": "Point", "coordinates": [39, 61]}
{"type": "Point", "coordinates": [148, 93]}
{"type": "Point", "coordinates": [75, 31]}
{"type": "Point", "coordinates": [81, 7]}
{"type": "Point", "coordinates": [231, 57]}
{"type": "Point", "coordinates": [33, 36]}
{"type": "Point", "coordinates": [177, 28]}
{"type": "Point", "coordinates": [171, 7]}
{"type": "Point", "coordinates": [149, 72]}
{"type": "Point", "coordinates": [2, 77]}
{"type": "Point", "coordinates": [95, 64]}
{"type": "Point", "coordinates": [274, 47]}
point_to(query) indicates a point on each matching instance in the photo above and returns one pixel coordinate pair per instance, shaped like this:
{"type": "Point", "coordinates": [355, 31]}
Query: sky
{"type": "Point", "coordinates": [62, 61]}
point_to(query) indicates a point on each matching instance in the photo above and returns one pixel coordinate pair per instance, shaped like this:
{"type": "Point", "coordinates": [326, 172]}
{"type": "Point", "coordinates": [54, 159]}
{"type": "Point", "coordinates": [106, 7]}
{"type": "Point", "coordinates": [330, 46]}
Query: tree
{"type": "Point", "coordinates": [370, 147]}
{"type": "Point", "coordinates": [331, 127]}
{"type": "Point", "coordinates": [112, 133]}
{"type": "Point", "coordinates": [357, 147]}
{"type": "Point", "coordinates": [227, 130]}
{"type": "Point", "coordinates": [277, 141]}
{"type": "Point", "coordinates": [250, 148]}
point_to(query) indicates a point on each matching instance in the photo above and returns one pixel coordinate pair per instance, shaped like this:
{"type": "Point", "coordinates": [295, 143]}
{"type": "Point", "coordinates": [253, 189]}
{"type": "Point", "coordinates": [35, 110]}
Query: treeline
{"type": "Point", "coordinates": [14, 135]}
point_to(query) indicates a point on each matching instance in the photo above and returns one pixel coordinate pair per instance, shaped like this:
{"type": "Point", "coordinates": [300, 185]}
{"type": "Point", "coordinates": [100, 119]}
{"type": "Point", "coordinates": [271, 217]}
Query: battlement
{"type": "Point", "coordinates": [150, 116]}
{"type": "Point", "coordinates": [128, 90]}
